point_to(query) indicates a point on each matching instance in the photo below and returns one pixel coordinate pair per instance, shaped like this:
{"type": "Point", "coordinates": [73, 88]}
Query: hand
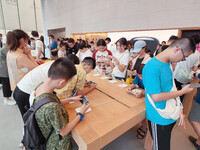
{"type": "Point", "coordinates": [116, 60]}
{"type": "Point", "coordinates": [27, 50]}
{"type": "Point", "coordinates": [75, 98]}
{"type": "Point", "coordinates": [84, 108]}
{"type": "Point", "coordinates": [186, 89]}
{"type": "Point", "coordinates": [138, 95]}
{"type": "Point", "coordinates": [93, 86]}
{"type": "Point", "coordinates": [133, 73]}
{"type": "Point", "coordinates": [39, 61]}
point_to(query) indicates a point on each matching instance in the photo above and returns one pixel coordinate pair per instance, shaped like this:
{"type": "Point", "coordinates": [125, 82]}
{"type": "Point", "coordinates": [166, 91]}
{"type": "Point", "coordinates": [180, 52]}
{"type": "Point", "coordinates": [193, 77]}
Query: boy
{"type": "Point", "coordinates": [158, 82]}
{"type": "Point", "coordinates": [52, 114]}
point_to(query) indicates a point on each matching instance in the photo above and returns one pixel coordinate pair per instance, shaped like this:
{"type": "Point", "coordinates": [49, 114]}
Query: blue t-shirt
{"type": "Point", "coordinates": [53, 46]}
{"type": "Point", "coordinates": [197, 98]}
{"type": "Point", "coordinates": [157, 78]}
{"type": "Point", "coordinates": [138, 81]}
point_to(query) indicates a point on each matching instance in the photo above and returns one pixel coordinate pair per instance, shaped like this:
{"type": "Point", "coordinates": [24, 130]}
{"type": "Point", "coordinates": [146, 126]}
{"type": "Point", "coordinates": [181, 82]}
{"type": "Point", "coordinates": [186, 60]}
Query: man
{"type": "Point", "coordinates": [1, 40]}
{"type": "Point", "coordinates": [72, 46]}
{"type": "Point", "coordinates": [39, 48]}
{"type": "Point", "coordinates": [158, 82]}
{"type": "Point", "coordinates": [53, 47]}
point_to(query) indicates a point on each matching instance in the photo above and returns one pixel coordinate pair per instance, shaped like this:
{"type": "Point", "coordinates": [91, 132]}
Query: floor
{"type": "Point", "coordinates": [11, 133]}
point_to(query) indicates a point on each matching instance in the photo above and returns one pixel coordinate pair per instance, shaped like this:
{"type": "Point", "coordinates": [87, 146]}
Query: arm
{"type": "Point", "coordinates": [24, 61]}
{"type": "Point", "coordinates": [39, 52]}
{"type": "Point", "coordinates": [71, 99]}
{"type": "Point", "coordinates": [86, 90]}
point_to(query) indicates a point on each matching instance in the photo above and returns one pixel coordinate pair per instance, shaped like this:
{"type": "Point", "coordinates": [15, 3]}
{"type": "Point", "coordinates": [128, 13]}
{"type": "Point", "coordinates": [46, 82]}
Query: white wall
{"type": "Point", "coordinates": [82, 16]}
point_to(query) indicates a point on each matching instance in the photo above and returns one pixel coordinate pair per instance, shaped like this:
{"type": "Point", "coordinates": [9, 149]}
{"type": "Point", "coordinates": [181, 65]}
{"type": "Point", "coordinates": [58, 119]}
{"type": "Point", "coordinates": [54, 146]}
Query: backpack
{"type": "Point", "coordinates": [33, 138]}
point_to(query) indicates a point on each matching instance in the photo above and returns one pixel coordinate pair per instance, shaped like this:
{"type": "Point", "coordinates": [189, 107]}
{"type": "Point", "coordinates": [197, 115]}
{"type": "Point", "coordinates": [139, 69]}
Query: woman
{"type": "Point", "coordinates": [120, 60]}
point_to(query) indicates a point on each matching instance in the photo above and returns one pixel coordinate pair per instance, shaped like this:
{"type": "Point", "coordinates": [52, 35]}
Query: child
{"type": "Point", "coordinates": [137, 82]}
{"type": "Point", "coordinates": [101, 57]}
{"type": "Point", "coordinates": [83, 51]}
{"type": "Point", "coordinates": [54, 114]}
{"type": "Point", "coordinates": [62, 51]}
{"type": "Point", "coordinates": [120, 60]}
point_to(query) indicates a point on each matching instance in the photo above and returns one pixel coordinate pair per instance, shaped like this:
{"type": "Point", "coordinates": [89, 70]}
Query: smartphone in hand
{"type": "Point", "coordinates": [84, 100]}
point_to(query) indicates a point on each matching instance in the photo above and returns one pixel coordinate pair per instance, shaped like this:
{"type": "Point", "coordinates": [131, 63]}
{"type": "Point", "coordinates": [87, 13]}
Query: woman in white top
{"type": "Point", "coordinates": [83, 51]}
{"type": "Point", "coordinates": [62, 51]}
{"type": "Point", "coordinates": [120, 60]}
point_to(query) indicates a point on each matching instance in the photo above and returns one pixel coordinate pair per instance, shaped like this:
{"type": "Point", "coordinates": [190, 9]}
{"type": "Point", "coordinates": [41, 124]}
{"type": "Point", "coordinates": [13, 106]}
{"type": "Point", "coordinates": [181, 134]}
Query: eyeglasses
{"type": "Point", "coordinates": [184, 58]}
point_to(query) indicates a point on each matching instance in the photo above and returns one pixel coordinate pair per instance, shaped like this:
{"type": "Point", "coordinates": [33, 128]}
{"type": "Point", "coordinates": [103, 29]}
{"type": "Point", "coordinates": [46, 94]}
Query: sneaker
{"type": "Point", "coordinates": [9, 102]}
{"type": "Point", "coordinates": [21, 145]}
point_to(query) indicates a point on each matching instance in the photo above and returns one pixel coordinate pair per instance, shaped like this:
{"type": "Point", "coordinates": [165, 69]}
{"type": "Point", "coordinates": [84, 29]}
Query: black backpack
{"type": "Point", "coordinates": [33, 138]}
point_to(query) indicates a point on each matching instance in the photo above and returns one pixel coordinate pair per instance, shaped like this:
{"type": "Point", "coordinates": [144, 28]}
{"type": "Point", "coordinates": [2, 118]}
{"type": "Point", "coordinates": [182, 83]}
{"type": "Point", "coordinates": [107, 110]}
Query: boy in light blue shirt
{"type": "Point", "coordinates": [158, 82]}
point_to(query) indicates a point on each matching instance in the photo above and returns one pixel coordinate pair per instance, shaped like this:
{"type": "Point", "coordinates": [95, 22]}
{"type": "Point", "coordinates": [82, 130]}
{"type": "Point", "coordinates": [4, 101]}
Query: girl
{"type": "Point", "coordinates": [83, 51]}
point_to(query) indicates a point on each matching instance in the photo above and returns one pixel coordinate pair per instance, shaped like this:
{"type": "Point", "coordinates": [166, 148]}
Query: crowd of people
{"type": "Point", "coordinates": [164, 75]}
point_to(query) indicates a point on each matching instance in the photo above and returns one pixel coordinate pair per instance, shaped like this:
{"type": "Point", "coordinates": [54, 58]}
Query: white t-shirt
{"type": "Point", "coordinates": [32, 79]}
{"type": "Point", "coordinates": [39, 44]}
{"type": "Point", "coordinates": [191, 60]}
{"type": "Point", "coordinates": [113, 48]}
{"type": "Point", "coordinates": [123, 59]}
{"type": "Point", "coordinates": [82, 55]}
{"type": "Point", "coordinates": [61, 53]}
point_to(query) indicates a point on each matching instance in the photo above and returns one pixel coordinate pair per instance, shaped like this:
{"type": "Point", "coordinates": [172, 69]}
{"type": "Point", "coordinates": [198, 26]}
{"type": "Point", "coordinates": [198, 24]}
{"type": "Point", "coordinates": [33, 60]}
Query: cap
{"type": "Point", "coordinates": [139, 45]}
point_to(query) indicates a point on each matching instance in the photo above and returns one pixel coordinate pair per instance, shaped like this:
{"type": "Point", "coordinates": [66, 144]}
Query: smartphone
{"type": "Point", "coordinates": [195, 85]}
{"type": "Point", "coordinates": [84, 100]}
{"type": "Point", "coordinates": [74, 92]}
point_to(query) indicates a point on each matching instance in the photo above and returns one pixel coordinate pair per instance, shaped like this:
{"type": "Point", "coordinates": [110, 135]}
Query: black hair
{"type": "Point", "coordinates": [173, 38]}
{"type": "Point", "coordinates": [62, 68]}
{"type": "Point", "coordinates": [186, 43]}
{"type": "Point", "coordinates": [74, 59]}
{"type": "Point", "coordinates": [70, 40]}
{"type": "Point", "coordinates": [34, 33]}
{"type": "Point", "coordinates": [13, 39]}
{"type": "Point", "coordinates": [52, 36]}
{"type": "Point", "coordinates": [163, 42]}
{"type": "Point", "coordinates": [122, 41]}
{"type": "Point", "coordinates": [82, 44]}
{"type": "Point", "coordinates": [89, 61]}
{"type": "Point", "coordinates": [108, 39]}
{"type": "Point", "coordinates": [91, 42]}
{"type": "Point", "coordinates": [196, 38]}
{"type": "Point", "coordinates": [101, 42]}
{"type": "Point", "coordinates": [139, 68]}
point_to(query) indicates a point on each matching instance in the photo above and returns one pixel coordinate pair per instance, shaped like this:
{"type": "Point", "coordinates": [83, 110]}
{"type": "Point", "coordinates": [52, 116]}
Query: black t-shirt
{"type": "Point", "coordinates": [73, 49]}
{"type": "Point", "coordinates": [138, 62]}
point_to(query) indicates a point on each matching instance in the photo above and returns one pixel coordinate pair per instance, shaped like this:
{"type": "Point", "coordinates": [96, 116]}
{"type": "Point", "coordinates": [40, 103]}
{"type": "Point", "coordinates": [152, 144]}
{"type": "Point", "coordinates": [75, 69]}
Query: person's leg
{"type": "Point", "coordinates": [142, 130]}
{"type": "Point", "coordinates": [196, 127]}
{"type": "Point", "coordinates": [22, 100]}
{"type": "Point", "coordinates": [161, 135]}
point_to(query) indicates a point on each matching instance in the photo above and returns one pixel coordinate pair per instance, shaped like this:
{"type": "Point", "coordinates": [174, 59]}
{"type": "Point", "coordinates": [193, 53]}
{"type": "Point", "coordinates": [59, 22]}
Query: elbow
{"type": "Point", "coordinates": [155, 98]}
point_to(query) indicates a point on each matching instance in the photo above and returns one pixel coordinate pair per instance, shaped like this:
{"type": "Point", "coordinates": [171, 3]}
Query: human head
{"type": "Point", "coordinates": [88, 64]}
{"type": "Point", "coordinates": [172, 39]}
{"type": "Point", "coordinates": [74, 59]}
{"type": "Point", "coordinates": [71, 42]}
{"type": "Point", "coordinates": [1, 35]}
{"type": "Point", "coordinates": [163, 43]}
{"type": "Point", "coordinates": [139, 70]}
{"type": "Point", "coordinates": [35, 34]}
{"type": "Point", "coordinates": [52, 38]}
{"type": "Point", "coordinates": [101, 45]}
{"type": "Point", "coordinates": [16, 38]}
{"type": "Point", "coordinates": [92, 43]}
{"type": "Point", "coordinates": [82, 46]}
{"type": "Point", "coordinates": [42, 38]}
{"type": "Point", "coordinates": [196, 38]}
{"type": "Point", "coordinates": [63, 47]}
{"type": "Point", "coordinates": [181, 48]}
{"type": "Point", "coordinates": [107, 40]}
{"type": "Point", "coordinates": [139, 46]}
{"type": "Point", "coordinates": [62, 70]}
{"type": "Point", "coordinates": [121, 44]}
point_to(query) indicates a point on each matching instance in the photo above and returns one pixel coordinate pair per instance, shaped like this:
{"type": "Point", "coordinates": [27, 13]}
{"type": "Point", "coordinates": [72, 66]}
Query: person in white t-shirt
{"type": "Point", "coordinates": [101, 55]}
{"type": "Point", "coordinates": [83, 51]}
{"type": "Point", "coordinates": [39, 48]}
{"type": "Point", "coordinates": [62, 51]}
{"type": "Point", "coordinates": [120, 60]}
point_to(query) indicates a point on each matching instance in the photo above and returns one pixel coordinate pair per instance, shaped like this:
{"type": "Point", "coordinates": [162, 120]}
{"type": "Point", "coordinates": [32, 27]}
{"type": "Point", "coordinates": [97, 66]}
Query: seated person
{"type": "Point", "coordinates": [62, 51]}
{"type": "Point", "coordinates": [53, 114]}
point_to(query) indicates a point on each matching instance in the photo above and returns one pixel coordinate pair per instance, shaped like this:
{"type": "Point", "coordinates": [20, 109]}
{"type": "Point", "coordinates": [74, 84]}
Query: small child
{"type": "Point", "coordinates": [137, 82]}
{"type": "Point", "coordinates": [62, 51]}
{"type": "Point", "coordinates": [54, 114]}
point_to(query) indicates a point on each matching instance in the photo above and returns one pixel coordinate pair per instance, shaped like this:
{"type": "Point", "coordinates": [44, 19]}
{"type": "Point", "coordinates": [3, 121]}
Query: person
{"type": "Point", "coordinates": [19, 58]}
{"type": "Point", "coordinates": [74, 59]}
{"type": "Point", "coordinates": [53, 47]}
{"type": "Point", "coordinates": [62, 51]}
{"type": "Point", "coordinates": [1, 40]}
{"type": "Point", "coordinates": [194, 118]}
{"type": "Point", "coordinates": [36, 76]}
{"type": "Point", "coordinates": [32, 43]}
{"type": "Point", "coordinates": [4, 78]}
{"type": "Point", "coordinates": [184, 69]}
{"type": "Point", "coordinates": [101, 55]}
{"type": "Point", "coordinates": [107, 40]}
{"type": "Point", "coordinates": [83, 51]}
{"type": "Point", "coordinates": [42, 39]}
{"type": "Point", "coordinates": [73, 49]}
{"type": "Point", "coordinates": [120, 60]}
{"type": "Point", "coordinates": [53, 114]}
{"type": "Point", "coordinates": [39, 47]}
{"type": "Point", "coordinates": [158, 82]}
{"type": "Point", "coordinates": [93, 47]}
{"type": "Point", "coordinates": [141, 58]}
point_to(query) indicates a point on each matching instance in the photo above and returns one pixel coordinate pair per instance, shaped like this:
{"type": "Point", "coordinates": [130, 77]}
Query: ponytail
{"type": "Point", "coordinates": [13, 39]}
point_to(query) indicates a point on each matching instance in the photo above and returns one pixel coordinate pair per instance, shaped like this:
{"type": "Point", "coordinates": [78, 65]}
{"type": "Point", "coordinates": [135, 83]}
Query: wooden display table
{"type": "Point", "coordinates": [114, 112]}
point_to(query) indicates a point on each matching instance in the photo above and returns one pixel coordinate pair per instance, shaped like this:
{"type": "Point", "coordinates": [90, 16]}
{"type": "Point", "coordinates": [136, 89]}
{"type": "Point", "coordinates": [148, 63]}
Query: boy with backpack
{"type": "Point", "coordinates": [51, 116]}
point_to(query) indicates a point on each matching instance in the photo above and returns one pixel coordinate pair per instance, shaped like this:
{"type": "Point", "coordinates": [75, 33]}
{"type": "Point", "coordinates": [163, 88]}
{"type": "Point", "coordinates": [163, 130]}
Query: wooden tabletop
{"type": "Point", "coordinates": [114, 112]}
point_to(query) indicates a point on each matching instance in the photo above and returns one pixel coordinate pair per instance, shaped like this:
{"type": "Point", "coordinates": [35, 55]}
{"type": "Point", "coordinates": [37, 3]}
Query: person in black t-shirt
{"type": "Point", "coordinates": [73, 49]}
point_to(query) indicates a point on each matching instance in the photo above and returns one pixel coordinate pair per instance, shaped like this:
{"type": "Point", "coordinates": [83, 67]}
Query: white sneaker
{"type": "Point", "coordinates": [9, 102]}
{"type": "Point", "coordinates": [21, 145]}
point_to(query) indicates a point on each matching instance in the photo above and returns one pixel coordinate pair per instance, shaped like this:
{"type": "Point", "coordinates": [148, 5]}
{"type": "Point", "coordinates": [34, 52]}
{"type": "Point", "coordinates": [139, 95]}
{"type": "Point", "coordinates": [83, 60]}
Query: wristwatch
{"type": "Point", "coordinates": [82, 116]}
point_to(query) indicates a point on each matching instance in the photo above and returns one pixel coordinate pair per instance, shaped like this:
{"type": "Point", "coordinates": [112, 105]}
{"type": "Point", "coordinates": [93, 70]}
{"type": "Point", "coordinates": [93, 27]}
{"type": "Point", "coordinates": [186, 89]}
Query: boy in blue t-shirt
{"type": "Point", "coordinates": [158, 82]}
